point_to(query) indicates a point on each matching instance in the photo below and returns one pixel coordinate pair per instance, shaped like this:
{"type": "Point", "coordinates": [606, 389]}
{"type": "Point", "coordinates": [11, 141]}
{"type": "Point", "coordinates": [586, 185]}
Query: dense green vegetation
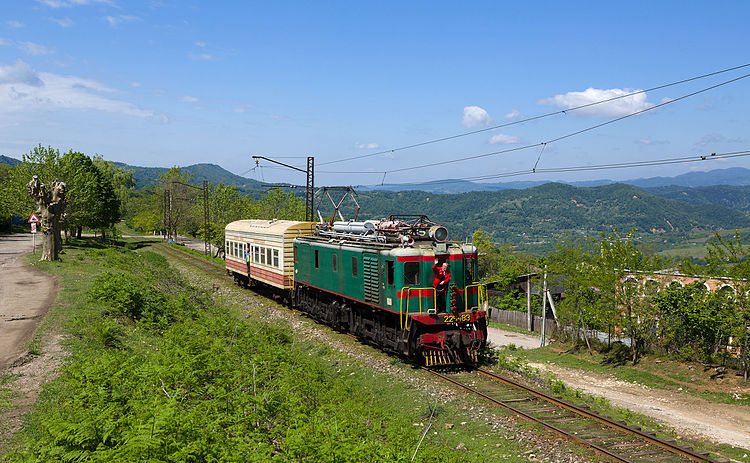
{"type": "Point", "coordinates": [732, 197]}
{"type": "Point", "coordinates": [160, 372]}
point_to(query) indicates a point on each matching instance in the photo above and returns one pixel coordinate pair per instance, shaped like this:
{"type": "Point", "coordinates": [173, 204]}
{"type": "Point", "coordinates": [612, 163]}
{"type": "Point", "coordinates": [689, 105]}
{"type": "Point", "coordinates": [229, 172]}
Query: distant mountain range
{"type": "Point", "coordinates": [733, 176]}
{"type": "Point", "coordinates": [149, 176]}
{"type": "Point", "coordinates": [9, 161]}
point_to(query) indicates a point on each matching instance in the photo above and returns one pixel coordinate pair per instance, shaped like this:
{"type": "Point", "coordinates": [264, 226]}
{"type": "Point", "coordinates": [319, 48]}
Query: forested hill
{"type": "Point", "coordinates": [149, 176]}
{"type": "Point", "coordinates": [551, 209]}
{"type": "Point", "coordinates": [10, 161]}
{"type": "Point", "coordinates": [733, 197]}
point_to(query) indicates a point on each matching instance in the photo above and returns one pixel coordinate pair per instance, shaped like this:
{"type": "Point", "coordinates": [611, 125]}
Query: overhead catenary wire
{"type": "Point", "coordinates": [529, 119]}
{"type": "Point", "coordinates": [547, 142]}
{"type": "Point", "coordinates": [582, 168]}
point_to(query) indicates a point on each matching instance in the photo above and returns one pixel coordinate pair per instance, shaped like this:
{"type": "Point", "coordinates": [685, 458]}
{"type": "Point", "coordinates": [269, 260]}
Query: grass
{"type": "Point", "coordinates": [198, 379]}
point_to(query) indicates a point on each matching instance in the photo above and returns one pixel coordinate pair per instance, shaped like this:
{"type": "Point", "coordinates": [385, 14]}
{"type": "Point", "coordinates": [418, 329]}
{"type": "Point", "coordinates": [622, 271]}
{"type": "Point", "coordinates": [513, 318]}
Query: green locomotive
{"type": "Point", "coordinates": [377, 280]}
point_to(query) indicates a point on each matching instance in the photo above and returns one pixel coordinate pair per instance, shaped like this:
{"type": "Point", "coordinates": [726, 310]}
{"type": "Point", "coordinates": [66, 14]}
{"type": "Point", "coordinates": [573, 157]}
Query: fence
{"type": "Point", "coordinates": [515, 318]}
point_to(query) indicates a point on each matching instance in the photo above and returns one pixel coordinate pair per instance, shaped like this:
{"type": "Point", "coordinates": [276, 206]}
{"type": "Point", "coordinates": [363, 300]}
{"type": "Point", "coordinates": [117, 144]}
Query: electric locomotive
{"type": "Point", "coordinates": [373, 279]}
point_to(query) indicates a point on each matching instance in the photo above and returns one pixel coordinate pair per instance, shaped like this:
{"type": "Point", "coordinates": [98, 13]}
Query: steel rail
{"type": "Point", "coordinates": [672, 448]}
{"type": "Point", "coordinates": [601, 419]}
{"type": "Point", "coordinates": [533, 418]}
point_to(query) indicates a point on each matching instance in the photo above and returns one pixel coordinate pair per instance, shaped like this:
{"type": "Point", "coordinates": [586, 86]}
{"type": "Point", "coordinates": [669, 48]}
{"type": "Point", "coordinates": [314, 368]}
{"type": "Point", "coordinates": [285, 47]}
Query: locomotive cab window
{"type": "Point", "coordinates": [317, 259]}
{"type": "Point", "coordinates": [411, 273]}
{"type": "Point", "coordinates": [469, 264]}
{"type": "Point", "coordinates": [389, 271]}
{"type": "Point", "coordinates": [334, 263]}
{"type": "Point", "coordinates": [355, 270]}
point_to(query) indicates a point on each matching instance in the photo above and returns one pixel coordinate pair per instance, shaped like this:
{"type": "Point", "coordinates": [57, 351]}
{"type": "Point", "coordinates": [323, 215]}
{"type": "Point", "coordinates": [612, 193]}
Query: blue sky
{"type": "Point", "coordinates": [163, 83]}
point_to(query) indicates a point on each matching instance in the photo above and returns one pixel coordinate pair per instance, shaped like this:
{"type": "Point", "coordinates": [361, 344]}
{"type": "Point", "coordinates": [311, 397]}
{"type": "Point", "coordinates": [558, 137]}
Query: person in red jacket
{"type": "Point", "coordinates": [442, 279]}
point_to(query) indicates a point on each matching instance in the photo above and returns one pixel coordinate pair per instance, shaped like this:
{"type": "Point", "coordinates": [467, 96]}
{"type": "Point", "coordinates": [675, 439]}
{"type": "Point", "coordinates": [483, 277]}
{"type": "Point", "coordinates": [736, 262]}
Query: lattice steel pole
{"type": "Point", "coordinates": [310, 192]}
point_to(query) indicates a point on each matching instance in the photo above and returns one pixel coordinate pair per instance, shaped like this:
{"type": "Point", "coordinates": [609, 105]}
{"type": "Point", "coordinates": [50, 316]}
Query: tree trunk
{"type": "Point", "coordinates": [50, 207]}
{"type": "Point", "coordinates": [79, 232]}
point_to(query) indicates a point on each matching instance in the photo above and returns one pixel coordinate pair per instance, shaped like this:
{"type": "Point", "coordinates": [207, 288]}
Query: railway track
{"type": "Point", "coordinates": [615, 439]}
{"type": "Point", "coordinates": [612, 438]}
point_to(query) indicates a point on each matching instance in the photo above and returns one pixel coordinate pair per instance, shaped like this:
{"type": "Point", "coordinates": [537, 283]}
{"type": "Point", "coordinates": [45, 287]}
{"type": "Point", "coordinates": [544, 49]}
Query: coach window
{"type": "Point", "coordinates": [355, 270]}
{"type": "Point", "coordinates": [235, 253]}
{"type": "Point", "coordinates": [256, 252]}
{"type": "Point", "coordinates": [411, 273]}
{"type": "Point", "coordinates": [276, 258]}
{"type": "Point", "coordinates": [228, 250]}
{"type": "Point", "coordinates": [269, 259]}
{"type": "Point", "coordinates": [263, 256]}
{"type": "Point", "coordinates": [334, 262]}
{"type": "Point", "coordinates": [389, 271]}
{"type": "Point", "coordinates": [317, 260]}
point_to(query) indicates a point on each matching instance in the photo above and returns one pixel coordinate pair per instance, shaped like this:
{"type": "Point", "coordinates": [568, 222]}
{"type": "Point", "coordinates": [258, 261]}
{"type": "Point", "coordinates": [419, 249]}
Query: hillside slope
{"type": "Point", "coordinates": [552, 209]}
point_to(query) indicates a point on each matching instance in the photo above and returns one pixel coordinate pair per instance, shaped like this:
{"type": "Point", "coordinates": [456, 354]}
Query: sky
{"type": "Point", "coordinates": [163, 83]}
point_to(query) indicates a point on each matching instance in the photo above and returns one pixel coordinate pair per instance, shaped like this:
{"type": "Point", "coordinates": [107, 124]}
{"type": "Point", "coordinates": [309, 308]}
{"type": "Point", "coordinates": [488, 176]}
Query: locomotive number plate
{"type": "Point", "coordinates": [462, 318]}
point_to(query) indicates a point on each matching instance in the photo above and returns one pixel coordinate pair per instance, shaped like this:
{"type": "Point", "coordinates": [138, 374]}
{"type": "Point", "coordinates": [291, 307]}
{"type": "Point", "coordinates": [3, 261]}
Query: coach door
{"type": "Point", "coordinates": [371, 276]}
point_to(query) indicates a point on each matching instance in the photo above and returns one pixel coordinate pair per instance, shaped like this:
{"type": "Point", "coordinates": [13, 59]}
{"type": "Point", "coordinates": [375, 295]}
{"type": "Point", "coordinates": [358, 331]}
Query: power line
{"type": "Point", "coordinates": [563, 137]}
{"type": "Point", "coordinates": [529, 119]}
{"type": "Point", "coordinates": [582, 168]}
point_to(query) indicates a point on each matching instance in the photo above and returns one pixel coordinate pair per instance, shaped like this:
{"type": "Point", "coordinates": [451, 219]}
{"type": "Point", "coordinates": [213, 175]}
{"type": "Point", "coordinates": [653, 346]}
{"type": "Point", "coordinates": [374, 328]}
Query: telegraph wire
{"type": "Point", "coordinates": [529, 119]}
{"type": "Point", "coordinates": [582, 168]}
{"type": "Point", "coordinates": [544, 143]}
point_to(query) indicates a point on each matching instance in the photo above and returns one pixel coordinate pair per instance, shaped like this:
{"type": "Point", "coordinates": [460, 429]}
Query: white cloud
{"type": "Point", "coordinates": [515, 114]}
{"type": "Point", "coordinates": [201, 56]}
{"type": "Point", "coordinates": [71, 3]}
{"type": "Point", "coordinates": [200, 44]}
{"type": "Point", "coordinates": [646, 141]}
{"type": "Point", "coordinates": [20, 73]}
{"type": "Point", "coordinates": [135, 84]}
{"type": "Point", "coordinates": [188, 99]}
{"type": "Point", "coordinates": [30, 48]}
{"type": "Point", "coordinates": [502, 139]}
{"type": "Point", "coordinates": [23, 90]}
{"type": "Point", "coordinates": [620, 107]}
{"type": "Point", "coordinates": [475, 116]}
{"type": "Point", "coordinates": [15, 24]}
{"type": "Point", "coordinates": [113, 21]}
{"type": "Point", "coordinates": [366, 146]}
{"type": "Point", "coordinates": [34, 49]}
{"type": "Point", "coordinates": [62, 22]}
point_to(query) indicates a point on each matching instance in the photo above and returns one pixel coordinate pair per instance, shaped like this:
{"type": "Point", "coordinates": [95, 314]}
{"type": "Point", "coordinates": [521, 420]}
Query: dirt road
{"type": "Point", "coordinates": [25, 296]}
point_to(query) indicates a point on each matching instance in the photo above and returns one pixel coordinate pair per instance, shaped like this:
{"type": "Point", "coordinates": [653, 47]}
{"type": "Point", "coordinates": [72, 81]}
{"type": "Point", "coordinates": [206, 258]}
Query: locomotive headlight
{"type": "Point", "coordinates": [438, 233]}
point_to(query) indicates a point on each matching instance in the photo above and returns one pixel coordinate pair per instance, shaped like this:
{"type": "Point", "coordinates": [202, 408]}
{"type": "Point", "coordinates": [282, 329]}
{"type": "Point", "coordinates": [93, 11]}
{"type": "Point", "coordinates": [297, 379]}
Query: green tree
{"type": "Point", "coordinates": [617, 261]}
{"type": "Point", "coordinates": [176, 194]}
{"type": "Point", "coordinates": [575, 263]}
{"type": "Point", "coordinates": [731, 257]}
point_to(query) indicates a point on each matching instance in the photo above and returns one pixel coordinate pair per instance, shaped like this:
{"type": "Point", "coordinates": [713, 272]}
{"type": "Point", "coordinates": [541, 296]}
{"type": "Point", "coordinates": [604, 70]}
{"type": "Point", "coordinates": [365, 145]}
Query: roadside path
{"type": "Point", "coordinates": [25, 296]}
